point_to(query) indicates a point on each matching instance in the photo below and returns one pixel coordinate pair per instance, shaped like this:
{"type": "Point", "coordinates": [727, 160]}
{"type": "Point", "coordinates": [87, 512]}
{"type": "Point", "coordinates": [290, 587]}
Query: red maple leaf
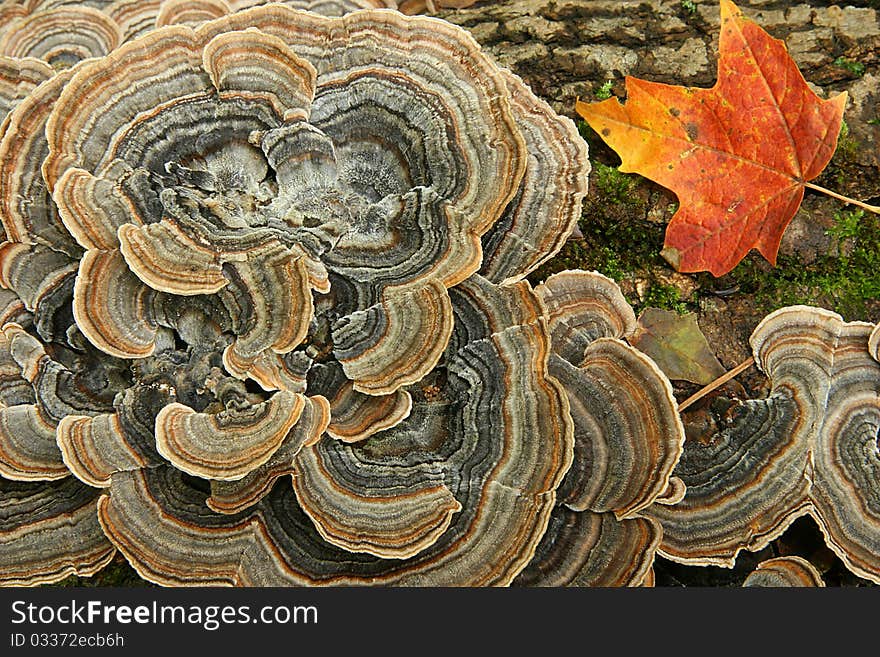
{"type": "Point", "coordinates": [737, 155]}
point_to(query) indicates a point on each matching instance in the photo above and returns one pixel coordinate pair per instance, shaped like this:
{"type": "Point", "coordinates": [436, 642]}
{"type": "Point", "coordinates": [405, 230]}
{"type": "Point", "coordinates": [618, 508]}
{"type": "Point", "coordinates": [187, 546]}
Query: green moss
{"type": "Point", "coordinates": [847, 225]}
{"type": "Point", "coordinates": [848, 283]}
{"type": "Point", "coordinates": [616, 236]}
{"type": "Point", "coordinates": [847, 146]}
{"type": "Point", "coordinates": [603, 91]}
{"type": "Point", "coordinates": [590, 136]}
{"type": "Point", "coordinates": [614, 186]}
{"type": "Point", "coordinates": [845, 170]}
{"type": "Point", "coordinates": [689, 7]}
{"type": "Point", "coordinates": [618, 239]}
{"type": "Point", "coordinates": [856, 68]}
{"type": "Point", "coordinates": [668, 297]}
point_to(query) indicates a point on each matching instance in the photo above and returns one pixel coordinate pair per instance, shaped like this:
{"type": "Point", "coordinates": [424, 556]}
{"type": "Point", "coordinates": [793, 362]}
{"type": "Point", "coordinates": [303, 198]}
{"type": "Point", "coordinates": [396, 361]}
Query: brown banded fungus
{"type": "Point", "coordinates": [137, 17]}
{"type": "Point", "coordinates": [48, 522]}
{"type": "Point", "coordinates": [628, 438]}
{"type": "Point", "coordinates": [789, 571]}
{"type": "Point", "coordinates": [192, 12]}
{"type": "Point", "coordinates": [38, 392]}
{"type": "Point", "coordinates": [60, 34]}
{"type": "Point", "coordinates": [874, 343]}
{"type": "Point", "coordinates": [49, 530]}
{"type": "Point", "coordinates": [810, 447]}
{"type": "Point", "coordinates": [63, 32]}
{"type": "Point", "coordinates": [420, 503]}
{"type": "Point", "coordinates": [268, 229]}
{"type": "Point", "coordinates": [18, 77]}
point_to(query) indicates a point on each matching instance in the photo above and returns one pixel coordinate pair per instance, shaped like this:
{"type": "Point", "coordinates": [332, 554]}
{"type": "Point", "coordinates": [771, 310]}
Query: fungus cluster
{"type": "Point", "coordinates": [627, 439]}
{"type": "Point", "coordinates": [264, 321]}
{"type": "Point", "coordinates": [63, 32]}
{"type": "Point", "coordinates": [266, 318]}
{"type": "Point", "coordinates": [809, 447]}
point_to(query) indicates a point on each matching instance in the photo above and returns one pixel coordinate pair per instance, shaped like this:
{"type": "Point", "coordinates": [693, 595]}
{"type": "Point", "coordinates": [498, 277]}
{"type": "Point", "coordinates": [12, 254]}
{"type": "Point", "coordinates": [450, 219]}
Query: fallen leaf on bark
{"type": "Point", "coordinates": [737, 155]}
{"type": "Point", "coordinates": [678, 346]}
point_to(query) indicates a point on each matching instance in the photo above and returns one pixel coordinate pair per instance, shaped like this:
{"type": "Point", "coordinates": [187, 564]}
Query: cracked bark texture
{"type": "Point", "coordinates": [564, 48]}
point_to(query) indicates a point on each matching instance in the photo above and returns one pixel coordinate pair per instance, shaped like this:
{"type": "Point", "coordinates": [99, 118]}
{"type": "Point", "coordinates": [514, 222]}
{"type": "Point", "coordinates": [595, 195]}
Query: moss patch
{"type": "Point", "coordinates": [603, 91]}
{"type": "Point", "coordinates": [853, 67]}
{"type": "Point", "coordinates": [848, 283]}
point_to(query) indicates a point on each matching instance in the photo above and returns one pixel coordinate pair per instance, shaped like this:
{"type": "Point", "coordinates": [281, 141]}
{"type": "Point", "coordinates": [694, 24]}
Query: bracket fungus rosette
{"type": "Point", "coordinates": [243, 171]}
{"type": "Point", "coordinates": [458, 493]}
{"type": "Point", "coordinates": [274, 268]}
{"type": "Point", "coordinates": [810, 447]}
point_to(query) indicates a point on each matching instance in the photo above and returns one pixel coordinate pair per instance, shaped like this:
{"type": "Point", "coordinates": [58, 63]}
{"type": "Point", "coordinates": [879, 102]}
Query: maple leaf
{"type": "Point", "coordinates": [737, 155]}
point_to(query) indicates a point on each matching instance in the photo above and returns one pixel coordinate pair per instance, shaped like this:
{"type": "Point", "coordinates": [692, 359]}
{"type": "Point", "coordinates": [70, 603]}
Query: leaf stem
{"type": "Point", "coordinates": [721, 380]}
{"type": "Point", "coordinates": [870, 208]}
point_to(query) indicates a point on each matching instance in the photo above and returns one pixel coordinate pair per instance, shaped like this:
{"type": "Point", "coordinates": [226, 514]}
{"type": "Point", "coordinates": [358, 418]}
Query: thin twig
{"type": "Point", "coordinates": [721, 380]}
{"type": "Point", "coordinates": [870, 208]}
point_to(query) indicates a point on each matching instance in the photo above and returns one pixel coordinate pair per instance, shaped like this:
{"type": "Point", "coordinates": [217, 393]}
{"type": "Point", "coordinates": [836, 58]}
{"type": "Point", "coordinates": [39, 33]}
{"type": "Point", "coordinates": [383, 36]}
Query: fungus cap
{"type": "Point", "coordinates": [810, 447]}
{"type": "Point", "coordinates": [790, 571]}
